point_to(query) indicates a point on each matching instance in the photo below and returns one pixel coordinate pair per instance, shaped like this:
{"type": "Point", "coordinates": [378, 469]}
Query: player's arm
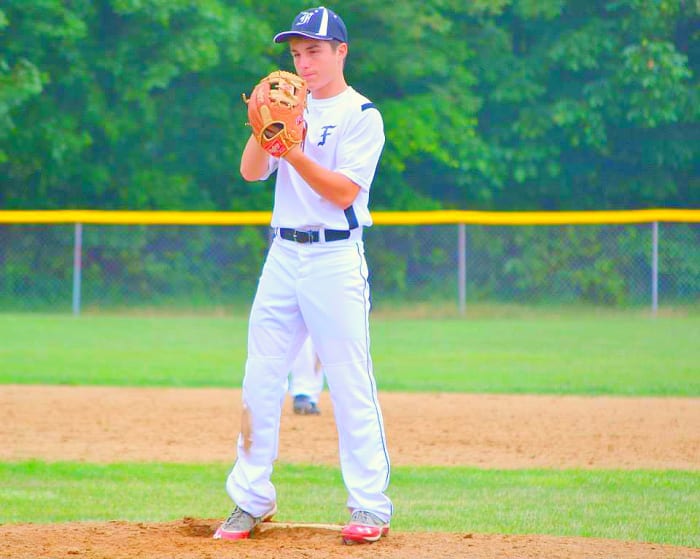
{"type": "Point", "coordinates": [334, 187]}
{"type": "Point", "coordinates": [254, 161]}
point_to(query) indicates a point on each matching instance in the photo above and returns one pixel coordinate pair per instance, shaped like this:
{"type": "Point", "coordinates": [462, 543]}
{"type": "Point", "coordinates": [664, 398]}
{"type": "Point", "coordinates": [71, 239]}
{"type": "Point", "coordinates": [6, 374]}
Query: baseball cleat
{"type": "Point", "coordinates": [364, 527]}
{"type": "Point", "coordinates": [240, 524]}
{"type": "Point", "coordinates": [304, 406]}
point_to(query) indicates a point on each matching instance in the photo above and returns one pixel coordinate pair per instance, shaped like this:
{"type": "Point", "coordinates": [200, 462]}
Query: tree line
{"type": "Point", "coordinates": [488, 104]}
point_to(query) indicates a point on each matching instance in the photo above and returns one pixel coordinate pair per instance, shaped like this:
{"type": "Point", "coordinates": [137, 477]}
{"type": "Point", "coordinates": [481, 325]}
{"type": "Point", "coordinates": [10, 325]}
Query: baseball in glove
{"type": "Point", "coordinates": [276, 112]}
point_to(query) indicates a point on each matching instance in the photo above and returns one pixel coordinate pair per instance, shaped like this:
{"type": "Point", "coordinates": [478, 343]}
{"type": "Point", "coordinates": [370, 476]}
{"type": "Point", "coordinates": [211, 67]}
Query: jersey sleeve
{"type": "Point", "coordinates": [359, 153]}
{"type": "Point", "coordinates": [272, 164]}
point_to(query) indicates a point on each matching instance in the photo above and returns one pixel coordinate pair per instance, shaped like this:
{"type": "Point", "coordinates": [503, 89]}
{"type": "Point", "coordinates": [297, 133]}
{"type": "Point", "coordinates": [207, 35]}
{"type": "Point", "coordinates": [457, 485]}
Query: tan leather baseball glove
{"type": "Point", "coordinates": [276, 112]}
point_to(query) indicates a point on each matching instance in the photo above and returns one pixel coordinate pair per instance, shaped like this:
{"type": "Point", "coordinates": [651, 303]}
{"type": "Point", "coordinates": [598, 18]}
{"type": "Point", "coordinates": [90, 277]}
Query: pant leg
{"type": "Point", "coordinates": [334, 301]}
{"type": "Point", "coordinates": [306, 375]}
{"type": "Point", "coordinates": [275, 334]}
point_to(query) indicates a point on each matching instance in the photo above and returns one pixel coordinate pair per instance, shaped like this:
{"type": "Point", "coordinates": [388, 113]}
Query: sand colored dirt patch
{"type": "Point", "coordinates": [102, 424]}
{"type": "Point", "coordinates": [99, 424]}
{"type": "Point", "coordinates": [191, 539]}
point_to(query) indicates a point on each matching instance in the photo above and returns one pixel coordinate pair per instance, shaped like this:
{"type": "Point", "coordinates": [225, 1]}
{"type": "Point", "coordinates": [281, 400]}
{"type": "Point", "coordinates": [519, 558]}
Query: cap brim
{"type": "Point", "coordinates": [286, 35]}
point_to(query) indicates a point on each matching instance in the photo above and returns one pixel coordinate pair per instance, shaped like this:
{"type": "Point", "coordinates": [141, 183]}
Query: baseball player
{"type": "Point", "coordinates": [306, 381]}
{"type": "Point", "coordinates": [314, 280]}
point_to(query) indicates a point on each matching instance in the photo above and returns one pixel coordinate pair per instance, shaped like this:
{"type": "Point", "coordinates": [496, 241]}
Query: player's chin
{"type": "Point", "coordinates": [311, 81]}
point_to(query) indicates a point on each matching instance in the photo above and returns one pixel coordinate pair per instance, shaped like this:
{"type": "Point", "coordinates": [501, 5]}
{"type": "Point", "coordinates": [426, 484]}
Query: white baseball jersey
{"type": "Point", "coordinates": [318, 289]}
{"type": "Point", "coordinates": [345, 134]}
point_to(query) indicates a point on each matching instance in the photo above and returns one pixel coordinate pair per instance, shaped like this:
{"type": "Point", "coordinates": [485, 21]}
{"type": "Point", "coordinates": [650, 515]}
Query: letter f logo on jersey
{"type": "Point", "coordinates": [325, 134]}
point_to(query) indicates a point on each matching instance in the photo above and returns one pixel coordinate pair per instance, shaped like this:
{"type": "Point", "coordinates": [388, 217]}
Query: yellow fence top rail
{"type": "Point", "coordinates": [437, 217]}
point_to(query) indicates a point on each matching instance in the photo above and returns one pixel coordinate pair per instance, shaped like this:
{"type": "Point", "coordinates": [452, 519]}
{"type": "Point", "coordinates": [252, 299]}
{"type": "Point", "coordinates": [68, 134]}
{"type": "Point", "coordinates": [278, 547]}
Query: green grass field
{"type": "Point", "coordinates": [637, 505]}
{"type": "Point", "coordinates": [617, 354]}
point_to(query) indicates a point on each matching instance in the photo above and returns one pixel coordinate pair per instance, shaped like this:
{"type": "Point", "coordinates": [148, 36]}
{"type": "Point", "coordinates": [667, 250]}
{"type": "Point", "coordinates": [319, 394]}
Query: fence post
{"type": "Point", "coordinates": [462, 266]}
{"type": "Point", "coordinates": [77, 267]}
{"type": "Point", "coordinates": [654, 267]}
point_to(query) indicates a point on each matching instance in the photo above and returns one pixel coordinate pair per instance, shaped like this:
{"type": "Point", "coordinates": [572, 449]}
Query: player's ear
{"type": "Point", "coordinates": [342, 53]}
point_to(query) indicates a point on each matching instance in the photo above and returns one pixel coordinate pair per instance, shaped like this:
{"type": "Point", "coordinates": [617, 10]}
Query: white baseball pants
{"type": "Point", "coordinates": [306, 374]}
{"type": "Point", "coordinates": [322, 289]}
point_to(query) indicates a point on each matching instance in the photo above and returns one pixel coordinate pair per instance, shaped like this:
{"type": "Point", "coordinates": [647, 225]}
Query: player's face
{"type": "Point", "coordinates": [320, 65]}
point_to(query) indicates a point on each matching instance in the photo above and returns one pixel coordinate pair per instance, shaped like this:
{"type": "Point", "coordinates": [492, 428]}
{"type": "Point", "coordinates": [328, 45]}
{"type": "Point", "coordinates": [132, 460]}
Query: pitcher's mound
{"type": "Point", "coordinates": [191, 538]}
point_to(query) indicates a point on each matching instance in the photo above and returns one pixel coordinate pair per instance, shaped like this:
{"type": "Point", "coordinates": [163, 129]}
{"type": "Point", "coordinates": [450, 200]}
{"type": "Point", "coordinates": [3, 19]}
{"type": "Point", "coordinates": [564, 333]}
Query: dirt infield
{"type": "Point", "coordinates": [97, 424]}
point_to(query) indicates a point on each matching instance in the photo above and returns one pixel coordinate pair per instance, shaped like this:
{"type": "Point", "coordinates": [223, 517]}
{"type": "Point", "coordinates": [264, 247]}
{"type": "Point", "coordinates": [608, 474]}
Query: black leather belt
{"type": "Point", "coordinates": [312, 236]}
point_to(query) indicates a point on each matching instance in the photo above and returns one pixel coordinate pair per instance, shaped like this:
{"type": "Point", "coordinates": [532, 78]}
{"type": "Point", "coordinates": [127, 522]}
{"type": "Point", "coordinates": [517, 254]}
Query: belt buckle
{"type": "Point", "coordinates": [303, 237]}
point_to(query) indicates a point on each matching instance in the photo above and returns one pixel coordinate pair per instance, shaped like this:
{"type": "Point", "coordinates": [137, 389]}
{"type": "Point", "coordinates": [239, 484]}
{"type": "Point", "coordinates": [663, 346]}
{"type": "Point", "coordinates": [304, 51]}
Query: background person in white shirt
{"type": "Point", "coordinates": [314, 283]}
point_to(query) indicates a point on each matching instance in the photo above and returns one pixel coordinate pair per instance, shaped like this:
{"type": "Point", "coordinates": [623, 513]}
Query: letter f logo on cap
{"type": "Point", "coordinates": [304, 18]}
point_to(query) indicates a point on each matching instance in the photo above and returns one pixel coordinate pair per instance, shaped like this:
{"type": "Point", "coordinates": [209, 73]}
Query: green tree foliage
{"type": "Point", "coordinates": [588, 104]}
{"type": "Point", "coordinates": [17, 84]}
{"type": "Point", "coordinates": [140, 104]}
{"type": "Point", "coordinates": [488, 104]}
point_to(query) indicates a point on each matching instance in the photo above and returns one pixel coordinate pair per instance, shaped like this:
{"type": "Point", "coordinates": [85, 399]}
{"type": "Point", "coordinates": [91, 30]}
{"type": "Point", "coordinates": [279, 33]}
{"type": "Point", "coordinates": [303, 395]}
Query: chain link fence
{"type": "Point", "coordinates": [617, 265]}
{"type": "Point", "coordinates": [74, 268]}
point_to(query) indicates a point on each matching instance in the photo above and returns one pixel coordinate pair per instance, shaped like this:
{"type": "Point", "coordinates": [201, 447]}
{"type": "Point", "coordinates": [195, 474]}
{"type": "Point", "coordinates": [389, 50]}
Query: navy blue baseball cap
{"type": "Point", "coordinates": [316, 23]}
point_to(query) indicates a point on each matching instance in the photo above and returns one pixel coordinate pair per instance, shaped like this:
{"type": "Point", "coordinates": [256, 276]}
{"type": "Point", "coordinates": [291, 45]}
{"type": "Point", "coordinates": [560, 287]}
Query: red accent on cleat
{"type": "Point", "coordinates": [364, 528]}
{"type": "Point", "coordinates": [225, 535]}
{"type": "Point", "coordinates": [240, 525]}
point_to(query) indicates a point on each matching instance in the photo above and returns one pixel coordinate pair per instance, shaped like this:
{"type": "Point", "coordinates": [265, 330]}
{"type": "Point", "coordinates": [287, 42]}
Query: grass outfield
{"type": "Point", "coordinates": [615, 354]}
{"type": "Point", "coordinates": [647, 506]}
{"type": "Point", "coordinates": [584, 353]}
